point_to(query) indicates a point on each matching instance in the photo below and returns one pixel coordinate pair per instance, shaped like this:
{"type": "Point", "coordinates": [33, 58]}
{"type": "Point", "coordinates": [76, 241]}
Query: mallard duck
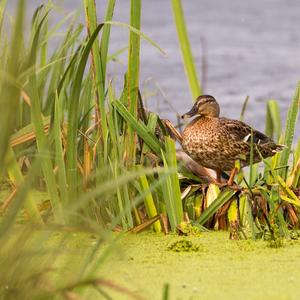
{"type": "Point", "coordinates": [216, 143]}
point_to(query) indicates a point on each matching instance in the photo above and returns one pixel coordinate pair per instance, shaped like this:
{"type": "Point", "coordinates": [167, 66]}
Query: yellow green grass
{"type": "Point", "coordinates": [77, 156]}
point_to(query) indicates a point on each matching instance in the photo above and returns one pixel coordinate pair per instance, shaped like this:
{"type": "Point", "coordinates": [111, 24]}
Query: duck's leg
{"type": "Point", "coordinates": [232, 175]}
{"type": "Point", "coordinates": [218, 176]}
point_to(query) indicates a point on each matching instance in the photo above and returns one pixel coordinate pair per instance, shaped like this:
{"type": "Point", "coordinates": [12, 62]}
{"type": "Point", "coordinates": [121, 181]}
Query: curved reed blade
{"type": "Point", "coordinates": [289, 132]}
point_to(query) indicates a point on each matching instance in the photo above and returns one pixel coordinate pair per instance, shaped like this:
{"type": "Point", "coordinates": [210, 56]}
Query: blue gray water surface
{"type": "Point", "coordinates": [249, 48]}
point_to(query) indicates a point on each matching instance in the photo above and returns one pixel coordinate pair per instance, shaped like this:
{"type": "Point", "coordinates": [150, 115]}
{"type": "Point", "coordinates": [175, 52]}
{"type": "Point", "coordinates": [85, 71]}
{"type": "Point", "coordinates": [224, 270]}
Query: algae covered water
{"type": "Point", "coordinates": [219, 269]}
{"type": "Point", "coordinates": [139, 266]}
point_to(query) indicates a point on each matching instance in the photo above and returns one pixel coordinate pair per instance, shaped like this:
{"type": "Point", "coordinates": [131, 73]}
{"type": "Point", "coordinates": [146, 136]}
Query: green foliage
{"type": "Point", "coordinates": [133, 72]}
{"type": "Point", "coordinates": [186, 51]}
{"type": "Point", "coordinates": [73, 120]}
{"type": "Point", "coordinates": [222, 198]}
{"type": "Point", "coordinates": [153, 143]}
{"type": "Point", "coordinates": [103, 161]}
{"type": "Point", "coordinates": [70, 118]}
{"type": "Point", "coordinates": [149, 203]}
{"type": "Point", "coordinates": [273, 120]}
{"type": "Point", "coordinates": [170, 188]}
{"type": "Point", "coordinates": [10, 85]}
{"type": "Point", "coordinates": [289, 131]}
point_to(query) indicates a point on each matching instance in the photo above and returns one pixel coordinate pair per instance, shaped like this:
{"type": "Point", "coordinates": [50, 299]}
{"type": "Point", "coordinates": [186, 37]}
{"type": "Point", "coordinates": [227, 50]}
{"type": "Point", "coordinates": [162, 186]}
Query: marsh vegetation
{"type": "Point", "coordinates": [80, 158]}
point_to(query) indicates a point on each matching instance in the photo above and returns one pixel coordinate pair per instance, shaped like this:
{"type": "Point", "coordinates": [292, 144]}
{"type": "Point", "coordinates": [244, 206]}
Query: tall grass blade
{"type": "Point", "coordinates": [133, 73]}
{"type": "Point", "coordinates": [99, 60]}
{"type": "Point", "coordinates": [59, 157]}
{"type": "Point", "coordinates": [149, 203]}
{"type": "Point", "coordinates": [167, 196]}
{"type": "Point", "coordinates": [43, 144]}
{"type": "Point", "coordinates": [251, 165]}
{"type": "Point", "coordinates": [289, 131]}
{"type": "Point", "coordinates": [295, 175]}
{"type": "Point", "coordinates": [273, 120]}
{"type": "Point", "coordinates": [171, 190]}
{"type": "Point", "coordinates": [105, 35]}
{"type": "Point", "coordinates": [9, 90]}
{"type": "Point", "coordinates": [71, 153]}
{"type": "Point", "coordinates": [151, 125]}
{"type": "Point", "coordinates": [186, 51]}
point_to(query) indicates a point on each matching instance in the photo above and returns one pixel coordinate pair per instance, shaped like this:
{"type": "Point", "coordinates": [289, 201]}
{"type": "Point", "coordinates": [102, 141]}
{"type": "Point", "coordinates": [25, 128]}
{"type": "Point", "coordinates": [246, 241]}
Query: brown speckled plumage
{"type": "Point", "coordinates": [216, 143]}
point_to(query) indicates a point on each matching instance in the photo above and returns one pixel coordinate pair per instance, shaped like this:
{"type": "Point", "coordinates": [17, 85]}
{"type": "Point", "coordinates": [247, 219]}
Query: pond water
{"type": "Point", "coordinates": [249, 48]}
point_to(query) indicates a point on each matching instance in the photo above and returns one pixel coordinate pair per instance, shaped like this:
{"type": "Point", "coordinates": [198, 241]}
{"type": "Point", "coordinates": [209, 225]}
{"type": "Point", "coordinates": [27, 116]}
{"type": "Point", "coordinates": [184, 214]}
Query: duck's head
{"type": "Point", "coordinates": [205, 105]}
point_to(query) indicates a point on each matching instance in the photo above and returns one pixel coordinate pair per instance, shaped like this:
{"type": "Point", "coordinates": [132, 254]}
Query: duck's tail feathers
{"type": "Point", "coordinates": [279, 148]}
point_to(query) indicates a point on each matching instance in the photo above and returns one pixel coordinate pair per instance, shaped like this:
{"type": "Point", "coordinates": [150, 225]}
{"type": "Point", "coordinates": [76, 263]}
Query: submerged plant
{"type": "Point", "coordinates": [184, 245]}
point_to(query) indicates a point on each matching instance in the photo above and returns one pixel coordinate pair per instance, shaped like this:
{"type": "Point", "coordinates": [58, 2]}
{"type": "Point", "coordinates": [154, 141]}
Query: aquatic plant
{"type": "Point", "coordinates": [75, 157]}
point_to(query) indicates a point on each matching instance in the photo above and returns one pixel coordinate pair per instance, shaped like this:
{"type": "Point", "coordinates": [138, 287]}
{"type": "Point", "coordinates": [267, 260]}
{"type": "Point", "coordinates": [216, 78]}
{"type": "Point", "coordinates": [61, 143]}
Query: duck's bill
{"type": "Point", "coordinates": [190, 113]}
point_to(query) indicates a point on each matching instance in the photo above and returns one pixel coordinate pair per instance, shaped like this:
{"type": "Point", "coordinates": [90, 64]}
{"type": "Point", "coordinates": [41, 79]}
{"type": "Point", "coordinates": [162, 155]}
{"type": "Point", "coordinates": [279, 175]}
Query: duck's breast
{"type": "Point", "coordinates": [200, 136]}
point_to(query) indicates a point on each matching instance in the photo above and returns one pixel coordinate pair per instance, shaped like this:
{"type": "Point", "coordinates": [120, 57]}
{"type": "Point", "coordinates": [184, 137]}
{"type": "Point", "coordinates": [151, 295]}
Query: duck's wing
{"type": "Point", "coordinates": [238, 131]}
